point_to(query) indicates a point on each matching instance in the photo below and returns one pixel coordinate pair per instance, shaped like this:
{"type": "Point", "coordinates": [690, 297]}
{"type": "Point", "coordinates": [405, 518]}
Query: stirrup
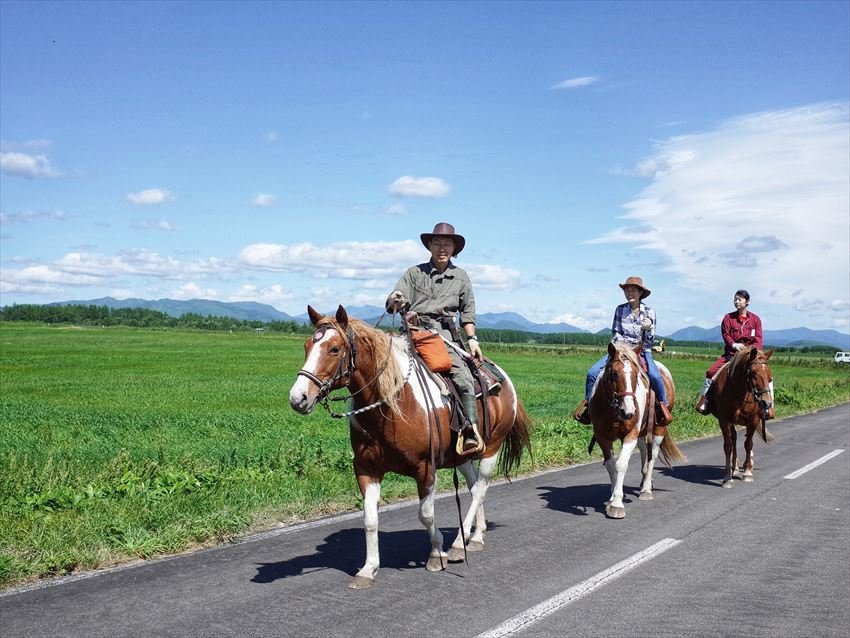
{"type": "Point", "coordinates": [477, 442]}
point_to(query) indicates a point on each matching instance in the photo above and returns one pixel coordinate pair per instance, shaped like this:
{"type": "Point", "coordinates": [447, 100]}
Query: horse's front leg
{"type": "Point", "coordinates": [615, 506]}
{"type": "Point", "coordinates": [370, 487]}
{"type": "Point", "coordinates": [475, 513]}
{"type": "Point", "coordinates": [729, 445]}
{"type": "Point", "coordinates": [748, 461]}
{"type": "Point", "coordinates": [437, 557]}
{"type": "Point", "coordinates": [649, 466]}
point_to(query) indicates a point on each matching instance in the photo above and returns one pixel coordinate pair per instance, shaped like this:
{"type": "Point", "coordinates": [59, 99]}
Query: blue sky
{"type": "Point", "coordinates": [292, 153]}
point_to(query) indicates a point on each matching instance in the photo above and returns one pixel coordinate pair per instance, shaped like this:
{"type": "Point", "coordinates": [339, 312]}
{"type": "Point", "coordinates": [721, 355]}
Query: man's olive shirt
{"type": "Point", "coordinates": [435, 294]}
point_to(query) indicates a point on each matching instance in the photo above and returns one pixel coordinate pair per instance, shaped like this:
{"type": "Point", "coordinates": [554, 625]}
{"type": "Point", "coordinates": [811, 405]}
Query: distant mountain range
{"type": "Point", "coordinates": [251, 311]}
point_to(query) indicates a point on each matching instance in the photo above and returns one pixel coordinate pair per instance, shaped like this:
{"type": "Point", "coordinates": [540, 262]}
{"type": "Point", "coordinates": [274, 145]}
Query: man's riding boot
{"type": "Point", "coordinates": [702, 405]}
{"type": "Point", "coordinates": [469, 440]}
{"type": "Point", "coordinates": [662, 414]}
{"type": "Point", "coordinates": [582, 415]}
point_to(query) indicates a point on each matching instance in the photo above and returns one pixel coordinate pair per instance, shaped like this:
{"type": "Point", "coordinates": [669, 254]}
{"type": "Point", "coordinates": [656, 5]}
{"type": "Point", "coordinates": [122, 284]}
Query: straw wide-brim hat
{"type": "Point", "coordinates": [444, 229]}
{"type": "Point", "coordinates": [637, 281]}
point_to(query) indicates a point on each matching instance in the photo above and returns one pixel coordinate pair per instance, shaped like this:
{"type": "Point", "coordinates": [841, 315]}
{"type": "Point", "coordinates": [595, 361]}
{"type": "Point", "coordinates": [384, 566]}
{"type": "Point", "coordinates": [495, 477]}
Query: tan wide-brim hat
{"type": "Point", "coordinates": [444, 229]}
{"type": "Point", "coordinates": [637, 281]}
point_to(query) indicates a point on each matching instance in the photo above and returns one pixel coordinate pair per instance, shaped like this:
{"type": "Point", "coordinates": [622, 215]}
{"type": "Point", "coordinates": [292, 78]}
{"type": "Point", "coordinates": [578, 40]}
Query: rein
{"type": "Point", "coordinates": [326, 387]}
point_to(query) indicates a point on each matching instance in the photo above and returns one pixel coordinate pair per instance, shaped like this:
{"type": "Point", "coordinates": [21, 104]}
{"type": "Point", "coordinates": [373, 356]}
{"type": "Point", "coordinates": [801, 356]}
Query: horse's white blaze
{"type": "Point", "coordinates": [629, 406]}
{"type": "Point", "coordinates": [300, 389]}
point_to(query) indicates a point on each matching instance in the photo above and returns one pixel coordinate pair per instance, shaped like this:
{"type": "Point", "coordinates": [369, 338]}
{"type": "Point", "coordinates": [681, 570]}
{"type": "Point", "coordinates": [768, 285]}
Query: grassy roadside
{"type": "Point", "coordinates": [118, 443]}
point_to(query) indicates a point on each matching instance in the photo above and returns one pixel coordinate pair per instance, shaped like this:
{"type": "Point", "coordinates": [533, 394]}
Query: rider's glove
{"type": "Point", "coordinates": [395, 302]}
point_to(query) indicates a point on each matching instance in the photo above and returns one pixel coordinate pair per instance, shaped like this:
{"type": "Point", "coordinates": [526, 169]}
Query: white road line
{"type": "Point", "coordinates": [813, 464]}
{"type": "Point", "coordinates": [547, 607]}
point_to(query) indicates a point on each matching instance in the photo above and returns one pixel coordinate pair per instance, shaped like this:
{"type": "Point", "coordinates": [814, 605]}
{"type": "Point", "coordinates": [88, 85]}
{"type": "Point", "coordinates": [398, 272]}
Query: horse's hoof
{"type": "Point", "coordinates": [748, 478]}
{"type": "Point", "coordinates": [456, 554]}
{"type": "Point", "coordinates": [436, 563]}
{"type": "Point", "coordinates": [475, 546]}
{"type": "Point", "coordinates": [616, 512]}
{"type": "Point", "coordinates": [729, 484]}
{"type": "Point", "coordinates": [645, 496]}
{"type": "Point", "coordinates": [361, 582]}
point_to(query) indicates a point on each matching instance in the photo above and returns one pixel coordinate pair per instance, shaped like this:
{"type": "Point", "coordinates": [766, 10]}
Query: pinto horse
{"type": "Point", "coordinates": [740, 395]}
{"type": "Point", "coordinates": [400, 422]}
{"type": "Point", "coordinates": [619, 409]}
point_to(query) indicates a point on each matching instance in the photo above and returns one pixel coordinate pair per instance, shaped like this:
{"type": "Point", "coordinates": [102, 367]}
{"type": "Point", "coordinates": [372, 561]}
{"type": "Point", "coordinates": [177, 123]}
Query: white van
{"type": "Point", "coordinates": [842, 357]}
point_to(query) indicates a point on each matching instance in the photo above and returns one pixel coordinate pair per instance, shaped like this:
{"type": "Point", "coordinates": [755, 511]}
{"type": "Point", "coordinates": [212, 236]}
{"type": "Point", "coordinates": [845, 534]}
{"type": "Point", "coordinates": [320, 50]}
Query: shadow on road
{"type": "Point", "coordinates": [582, 500]}
{"type": "Point", "coordinates": [345, 551]}
{"type": "Point", "coordinates": [698, 474]}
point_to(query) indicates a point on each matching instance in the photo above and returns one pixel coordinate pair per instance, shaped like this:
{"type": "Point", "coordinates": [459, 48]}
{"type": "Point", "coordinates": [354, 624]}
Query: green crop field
{"type": "Point", "coordinates": [122, 443]}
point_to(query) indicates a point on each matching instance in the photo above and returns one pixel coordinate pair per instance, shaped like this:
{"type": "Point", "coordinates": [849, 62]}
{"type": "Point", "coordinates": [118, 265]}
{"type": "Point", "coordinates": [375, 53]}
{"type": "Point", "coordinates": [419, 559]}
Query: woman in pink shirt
{"type": "Point", "coordinates": [739, 329]}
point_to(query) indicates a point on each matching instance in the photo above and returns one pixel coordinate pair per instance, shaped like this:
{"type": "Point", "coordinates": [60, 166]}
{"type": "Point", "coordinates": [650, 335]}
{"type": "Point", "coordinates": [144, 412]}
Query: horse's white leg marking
{"type": "Point", "coordinates": [471, 476]}
{"type": "Point", "coordinates": [299, 393]}
{"type": "Point", "coordinates": [622, 465]}
{"type": "Point", "coordinates": [649, 466]}
{"type": "Point", "coordinates": [426, 516]}
{"type": "Point", "coordinates": [370, 525]}
{"type": "Point", "coordinates": [478, 491]}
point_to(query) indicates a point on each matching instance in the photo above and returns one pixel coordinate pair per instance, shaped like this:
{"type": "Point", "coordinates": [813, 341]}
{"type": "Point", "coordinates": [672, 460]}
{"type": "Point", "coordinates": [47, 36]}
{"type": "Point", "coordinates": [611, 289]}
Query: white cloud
{"type": "Point", "coordinates": [161, 225]}
{"type": "Point", "coordinates": [194, 291]}
{"type": "Point", "coordinates": [271, 295]}
{"type": "Point", "coordinates": [396, 210]}
{"type": "Point", "coordinates": [575, 83]}
{"type": "Point", "coordinates": [151, 196]}
{"type": "Point", "coordinates": [760, 200]}
{"type": "Point", "coordinates": [31, 216]}
{"type": "Point", "coordinates": [27, 165]}
{"type": "Point", "coordinates": [408, 186]}
{"type": "Point", "coordinates": [47, 275]}
{"type": "Point", "coordinates": [346, 260]}
{"type": "Point", "coordinates": [264, 200]}
{"type": "Point", "coordinates": [492, 277]}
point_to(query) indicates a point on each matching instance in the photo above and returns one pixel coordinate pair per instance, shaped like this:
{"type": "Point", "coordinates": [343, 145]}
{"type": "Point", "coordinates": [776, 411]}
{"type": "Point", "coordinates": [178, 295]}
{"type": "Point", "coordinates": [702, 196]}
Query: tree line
{"type": "Point", "coordinates": [91, 315]}
{"type": "Point", "coordinates": [103, 316]}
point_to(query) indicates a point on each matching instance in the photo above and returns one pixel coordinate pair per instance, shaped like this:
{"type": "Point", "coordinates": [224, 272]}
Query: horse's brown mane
{"type": "Point", "coordinates": [741, 358]}
{"type": "Point", "coordinates": [389, 381]}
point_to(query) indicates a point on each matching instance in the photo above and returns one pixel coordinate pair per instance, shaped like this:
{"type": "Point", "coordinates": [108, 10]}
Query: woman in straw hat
{"type": "Point", "coordinates": [634, 324]}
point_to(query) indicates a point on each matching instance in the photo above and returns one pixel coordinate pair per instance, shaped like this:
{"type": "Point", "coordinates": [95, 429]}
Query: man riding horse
{"type": "Point", "coordinates": [437, 291]}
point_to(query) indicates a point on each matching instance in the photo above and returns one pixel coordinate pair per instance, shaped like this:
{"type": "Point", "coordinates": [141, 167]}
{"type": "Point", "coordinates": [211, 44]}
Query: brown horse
{"type": "Point", "coordinates": [619, 409]}
{"type": "Point", "coordinates": [400, 422]}
{"type": "Point", "coordinates": [740, 395]}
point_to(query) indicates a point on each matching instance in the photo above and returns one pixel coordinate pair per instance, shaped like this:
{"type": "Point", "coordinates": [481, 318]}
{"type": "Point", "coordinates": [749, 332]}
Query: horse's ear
{"type": "Point", "coordinates": [754, 352]}
{"type": "Point", "coordinates": [342, 316]}
{"type": "Point", "coordinates": [315, 316]}
{"type": "Point", "coordinates": [612, 349]}
{"type": "Point", "coordinates": [768, 354]}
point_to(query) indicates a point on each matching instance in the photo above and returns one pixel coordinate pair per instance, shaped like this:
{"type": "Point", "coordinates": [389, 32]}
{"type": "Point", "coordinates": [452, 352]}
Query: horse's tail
{"type": "Point", "coordinates": [591, 444]}
{"type": "Point", "coordinates": [518, 438]}
{"type": "Point", "coordinates": [670, 452]}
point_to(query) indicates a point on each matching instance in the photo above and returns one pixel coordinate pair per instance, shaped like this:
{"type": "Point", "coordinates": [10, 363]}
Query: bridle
{"type": "Point", "coordinates": [752, 387]}
{"type": "Point", "coordinates": [343, 370]}
{"type": "Point", "coordinates": [617, 396]}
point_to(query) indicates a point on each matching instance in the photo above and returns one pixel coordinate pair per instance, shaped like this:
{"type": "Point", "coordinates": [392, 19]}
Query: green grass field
{"type": "Point", "coordinates": [120, 443]}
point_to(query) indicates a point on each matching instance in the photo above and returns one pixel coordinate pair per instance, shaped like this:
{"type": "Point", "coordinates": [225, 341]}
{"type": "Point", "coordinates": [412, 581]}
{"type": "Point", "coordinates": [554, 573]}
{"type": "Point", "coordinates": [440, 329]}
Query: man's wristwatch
{"type": "Point", "coordinates": [473, 338]}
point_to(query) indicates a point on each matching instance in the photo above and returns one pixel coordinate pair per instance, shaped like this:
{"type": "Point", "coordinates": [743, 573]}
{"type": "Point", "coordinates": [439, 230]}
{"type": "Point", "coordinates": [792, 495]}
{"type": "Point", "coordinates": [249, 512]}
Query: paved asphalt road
{"type": "Point", "coordinates": [769, 558]}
